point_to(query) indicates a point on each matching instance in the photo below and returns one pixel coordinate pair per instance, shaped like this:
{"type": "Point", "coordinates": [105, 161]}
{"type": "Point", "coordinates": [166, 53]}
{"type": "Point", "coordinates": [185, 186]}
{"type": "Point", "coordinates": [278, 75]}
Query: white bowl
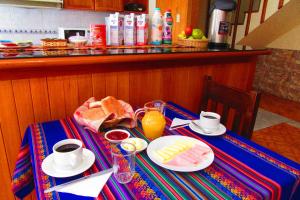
{"type": "Point", "coordinates": [116, 140]}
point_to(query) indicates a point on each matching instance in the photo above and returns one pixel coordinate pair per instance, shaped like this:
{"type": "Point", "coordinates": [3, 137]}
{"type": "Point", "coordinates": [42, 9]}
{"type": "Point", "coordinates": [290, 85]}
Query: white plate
{"type": "Point", "coordinates": [220, 131]}
{"type": "Point", "coordinates": [48, 165]}
{"type": "Point", "coordinates": [168, 140]}
{"type": "Point", "coordinates": [143, 142]}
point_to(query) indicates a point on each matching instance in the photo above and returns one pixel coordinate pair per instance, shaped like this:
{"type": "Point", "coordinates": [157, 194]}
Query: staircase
{"type": "Point", "coordinates": [261, 11]}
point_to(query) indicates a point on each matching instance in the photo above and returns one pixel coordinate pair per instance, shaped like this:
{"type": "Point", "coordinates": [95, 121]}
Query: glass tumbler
{"type": "Point", "coordinates": [123, 160]}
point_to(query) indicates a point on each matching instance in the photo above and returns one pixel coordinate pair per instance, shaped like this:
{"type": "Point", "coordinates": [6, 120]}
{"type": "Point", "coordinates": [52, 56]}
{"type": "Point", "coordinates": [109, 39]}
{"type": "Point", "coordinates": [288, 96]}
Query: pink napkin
{"type": "Point", "coordinates": [108, 119]}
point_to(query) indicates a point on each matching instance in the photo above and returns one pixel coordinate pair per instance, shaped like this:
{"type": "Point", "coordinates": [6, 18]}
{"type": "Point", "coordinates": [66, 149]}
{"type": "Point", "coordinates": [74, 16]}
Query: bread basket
{"type": "Point", "coordinates": [193, 42]}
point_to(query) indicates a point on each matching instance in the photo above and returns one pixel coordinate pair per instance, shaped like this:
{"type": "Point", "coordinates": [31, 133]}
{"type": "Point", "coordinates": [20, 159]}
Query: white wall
{"type": "Point", "coordinates": [15, 18]}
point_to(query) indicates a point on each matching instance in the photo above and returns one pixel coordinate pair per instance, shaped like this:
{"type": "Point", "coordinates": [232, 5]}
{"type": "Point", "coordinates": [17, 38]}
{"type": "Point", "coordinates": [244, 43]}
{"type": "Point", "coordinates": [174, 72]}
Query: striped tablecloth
{"type": "Point", "coordinates": [241, 168]}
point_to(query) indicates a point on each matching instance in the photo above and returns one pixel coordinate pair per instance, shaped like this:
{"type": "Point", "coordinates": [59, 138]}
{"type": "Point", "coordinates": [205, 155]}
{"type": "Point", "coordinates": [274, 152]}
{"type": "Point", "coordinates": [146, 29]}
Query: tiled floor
{"type": "Point", "coordinates": [281, 138]}
{"type": "Point", "coordinates": [266, 119]}
{"type": "Point", "coordinates": [277, 126]}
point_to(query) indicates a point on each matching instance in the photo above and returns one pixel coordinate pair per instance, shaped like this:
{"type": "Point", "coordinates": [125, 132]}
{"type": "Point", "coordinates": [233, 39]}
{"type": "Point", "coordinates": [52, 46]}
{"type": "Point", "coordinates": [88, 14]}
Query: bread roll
{"type": "Point", "coordinates": [93, 114]}
{"type": "Point", "coordinates": [112, 105]}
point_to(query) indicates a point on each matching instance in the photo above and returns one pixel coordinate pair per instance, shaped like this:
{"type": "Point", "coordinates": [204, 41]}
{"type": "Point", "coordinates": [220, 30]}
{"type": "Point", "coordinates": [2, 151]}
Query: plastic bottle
{"type": "Point", "coordinates": [167, 27]}
{"type": "Point", "coordinates": [156, 31]}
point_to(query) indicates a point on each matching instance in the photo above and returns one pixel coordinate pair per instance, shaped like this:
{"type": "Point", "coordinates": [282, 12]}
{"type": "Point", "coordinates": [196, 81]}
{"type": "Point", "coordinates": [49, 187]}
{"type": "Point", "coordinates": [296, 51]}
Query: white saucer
{"type": "Point", "coordinates": [220, 131]}
{"type": "Point", "coordinates": [49, 168]}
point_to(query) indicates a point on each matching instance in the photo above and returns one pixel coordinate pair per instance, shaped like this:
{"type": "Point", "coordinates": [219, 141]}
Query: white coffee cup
{"type": "Point", "coordinates": [67, 154]}
{"type": "Point", "coordinates": [209, 121]}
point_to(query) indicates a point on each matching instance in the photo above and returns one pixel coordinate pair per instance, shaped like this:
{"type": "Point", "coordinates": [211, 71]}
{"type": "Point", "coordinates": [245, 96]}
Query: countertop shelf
{"type": "Point", "coordinates": [42, 59]}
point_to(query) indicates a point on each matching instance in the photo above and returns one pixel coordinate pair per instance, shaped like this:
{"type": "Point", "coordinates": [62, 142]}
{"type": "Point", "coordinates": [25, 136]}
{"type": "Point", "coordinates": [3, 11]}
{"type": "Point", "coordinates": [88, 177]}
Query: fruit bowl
{"type": "Point", "coordinates": [193, 42]}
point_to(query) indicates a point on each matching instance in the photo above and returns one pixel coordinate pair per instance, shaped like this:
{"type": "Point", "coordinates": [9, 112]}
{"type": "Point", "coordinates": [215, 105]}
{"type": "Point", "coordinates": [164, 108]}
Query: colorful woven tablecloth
{"type": "Point", "coordinates": [241, 168]}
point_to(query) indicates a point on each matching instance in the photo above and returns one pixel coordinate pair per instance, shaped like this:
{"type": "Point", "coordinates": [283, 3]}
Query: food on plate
{"type": "Point", "coordinates": [182, 153]}
{"type": "Point", "coordinates": [137, 142]}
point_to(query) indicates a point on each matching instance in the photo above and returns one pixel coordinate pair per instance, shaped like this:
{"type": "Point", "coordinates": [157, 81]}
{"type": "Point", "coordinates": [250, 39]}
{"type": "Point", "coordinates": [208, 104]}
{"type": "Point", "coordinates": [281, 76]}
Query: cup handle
{"type": "Point", "coordinates": [73, 160]}
{"type": "Point", "coordinates": [138, 111]}
{"type": "Point", "coordinates": [202, 113]}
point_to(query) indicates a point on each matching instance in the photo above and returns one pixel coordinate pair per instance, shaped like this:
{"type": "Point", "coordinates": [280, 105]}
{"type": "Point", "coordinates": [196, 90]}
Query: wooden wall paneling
{"type": "Point", "coordinates": [135, 89]}
{"type": "Point", "coordinates": [250, 73]}
{"type": "Point", "coordinates": [56, 97]}
{"type": "Point", "coordinates": [123, 86]}
{"type": "Point", "coordinates": [156, 84]}
{"type": "Point", "coordinates": [9, 123]}
{"type": "Point", "coordinates": [85, 87]}
{"type": "Point", "coordinates": [79, 4]}
{"type": "Point", "coordinates": [40, 99]}
{"type": "Point", "coordinates": [166, 84]}
{"type": "Point", "coordinates": [113, 5]}
{"type": "Point", "coordinates": [111, 84]}
{"type": "Point", "coordinates": [70, 94]}
{"type": "Point", "coordinates": [147, 86]}
{"type": "Point", "coordinates": [99, 85]}
{"type": "Point", "coordinates": [199, 11]}
{"type": "Point", "coordinates": [240, 76]}
{"type": "Point", "coordinates": [23, 100]}
{"type": "Point", "coordinates": [5, 178]}
{"type": "Point", "coordinates": [195, 87]}
{"type": "Point", "coordinates": [180, 83]}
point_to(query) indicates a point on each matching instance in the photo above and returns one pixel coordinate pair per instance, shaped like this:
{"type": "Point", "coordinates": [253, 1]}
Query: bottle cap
{"type": "Point", "coordinates": [168, 10]}
{"type": "Point", "coordinates": [158, 9]}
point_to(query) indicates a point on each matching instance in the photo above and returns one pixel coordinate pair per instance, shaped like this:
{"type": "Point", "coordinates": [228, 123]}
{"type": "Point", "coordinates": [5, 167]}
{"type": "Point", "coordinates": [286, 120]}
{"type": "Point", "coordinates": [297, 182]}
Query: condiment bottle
{"type": "Point", "coordinates": [156, 31]}
{"type": "Point", "coordinates": [167, 27]}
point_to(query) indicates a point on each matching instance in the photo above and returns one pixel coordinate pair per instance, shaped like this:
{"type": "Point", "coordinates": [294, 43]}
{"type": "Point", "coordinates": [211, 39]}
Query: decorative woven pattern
{"type": "Point", "coordinates": [234, 174]}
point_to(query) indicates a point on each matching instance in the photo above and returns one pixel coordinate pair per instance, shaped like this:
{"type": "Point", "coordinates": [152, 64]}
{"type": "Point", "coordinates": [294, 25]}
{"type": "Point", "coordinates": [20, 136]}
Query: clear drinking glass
{"type": "Point", "coordinates": [123, 160]}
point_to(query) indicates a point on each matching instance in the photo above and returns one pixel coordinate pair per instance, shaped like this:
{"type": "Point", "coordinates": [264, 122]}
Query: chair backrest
{"type": "Point", "coordinates": [238, 109]}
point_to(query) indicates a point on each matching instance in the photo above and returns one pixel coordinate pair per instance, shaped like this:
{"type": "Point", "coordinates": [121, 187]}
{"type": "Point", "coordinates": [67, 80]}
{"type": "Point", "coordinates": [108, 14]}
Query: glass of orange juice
{"type": "Point", "coordinates": [153, 122]}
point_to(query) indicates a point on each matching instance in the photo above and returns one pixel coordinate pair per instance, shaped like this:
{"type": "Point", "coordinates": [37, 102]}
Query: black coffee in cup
{"type": "Point", "coordinates": [67, 148]}
{"type": "Point", "coordinates": [209, 117]}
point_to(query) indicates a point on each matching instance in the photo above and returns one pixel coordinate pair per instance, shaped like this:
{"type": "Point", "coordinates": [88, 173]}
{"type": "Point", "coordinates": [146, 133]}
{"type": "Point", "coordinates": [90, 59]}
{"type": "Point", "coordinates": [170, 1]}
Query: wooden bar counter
{"type": "Point", "coordinates": [43, 87]}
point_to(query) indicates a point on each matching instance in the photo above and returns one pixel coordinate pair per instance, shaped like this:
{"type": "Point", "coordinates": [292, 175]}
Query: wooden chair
{"type": "Point", "coordinates": [238, 109]}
